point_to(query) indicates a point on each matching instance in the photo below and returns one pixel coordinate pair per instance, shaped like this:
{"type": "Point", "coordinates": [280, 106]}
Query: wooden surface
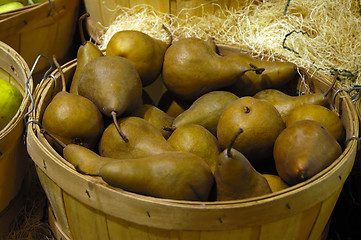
{"type": "Point", "coordinates": [41, 29]}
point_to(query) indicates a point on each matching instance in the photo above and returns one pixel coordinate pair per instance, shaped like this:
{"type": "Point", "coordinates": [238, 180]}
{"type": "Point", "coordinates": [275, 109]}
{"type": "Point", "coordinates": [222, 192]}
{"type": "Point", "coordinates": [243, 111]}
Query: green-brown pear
{"type": "Point", "coordinates": [112, 83]}
{"type": "Point", "coordinates": [285, 103]}
{"type": "Point", "coordinates": [144, 139]}
{"type": "Point", "coordinates": [84, 160]}
{"type": "Point", "coordinates": [304, 149]}
{"type": "Point", "coordinates": [206, 110]}
{"type": "Point", "coordinates": [155, 116]}
{"type": "Point", "coordinates": [86, 52]}
{"type": "Point", "coordinates": [172, 105]}
{"type": "Point", "coordinates": [192, 67]}
{"type": "Point", "coordinates": [261, 124]}
{"type": "Point", "coordinates": [198, 140]}
{"type": "Point", "coordinates": [172, 175]}
{"type": "Point", "coordinates": [236, 178]}
{"type": "Point", "coordinates": [328, 118]}
{"type": "Point", "coordinates": [143, 51]}
{"type": "Point", "coordinates": [275, 75]}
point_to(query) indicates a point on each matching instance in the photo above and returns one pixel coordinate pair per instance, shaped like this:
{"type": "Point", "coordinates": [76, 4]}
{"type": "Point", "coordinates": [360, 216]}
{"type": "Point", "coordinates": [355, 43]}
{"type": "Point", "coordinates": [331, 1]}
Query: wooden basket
{"type": "Point", "coordinates": [86, 208]}
{"type": "Point", "coordinates": [13, 155]}
{"type": "Point", "coordinates": [46, 28]}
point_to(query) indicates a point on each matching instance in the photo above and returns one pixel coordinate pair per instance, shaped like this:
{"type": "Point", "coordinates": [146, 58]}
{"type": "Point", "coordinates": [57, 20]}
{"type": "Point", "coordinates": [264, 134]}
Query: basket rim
{"type": "Point", "coordinates": [27, 91]}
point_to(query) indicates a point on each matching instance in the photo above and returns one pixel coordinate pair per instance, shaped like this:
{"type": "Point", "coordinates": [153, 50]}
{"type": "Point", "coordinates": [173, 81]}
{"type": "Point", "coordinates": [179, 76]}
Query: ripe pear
{"type": "Point", "coordinates": [10, 101]}
{"type": "Point", "coordinates": [156, 117]}
{"type": "Point", "coordinates": [84, 160]}
{"type": "Point", "coordinates": [143, 51]}
{"type": "Point", "coordinates": [192, 67]}
{"type": "Point", "coordinates": [198, 140]}
{"type": "Point", "coordinates": [285, 103]}
{"type": "Point", "coordinates": [10, 6]}
{"type": "Point", "coordinates": [73, 119]}
{"type": "Point", "coordinates": [276, 74]}
{"type": "Point", "coordinates": [236, 178]}
{"type": "Point", "coordinates": [172, 175]}
{"type": "Point", "coordinates": [304, 149]}
{"type": "Point", "coordinates": [172, 105]}
{"type": "Point", "coordinates": [112, 83]}
{"type": "Point", "coordinates": [144, 139]}
{"type": "Point", "coordinates": [261, 123]}
{"type": "Point", "coordinates": [206, 110]}
{"type": "Point", "coordinates": [275, 182]}
{"type": "Point", "coordinates": [86, 52]}
{"type": "Point", "coordinates": [328, 118]}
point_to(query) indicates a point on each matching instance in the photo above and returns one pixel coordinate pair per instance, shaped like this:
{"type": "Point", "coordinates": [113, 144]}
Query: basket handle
{"type": "Point", "coordinates": [25, 118]}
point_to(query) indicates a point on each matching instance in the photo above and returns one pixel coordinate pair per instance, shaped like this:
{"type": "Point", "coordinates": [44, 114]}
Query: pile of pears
{"type": "Point", "coordinates": [224, 128]}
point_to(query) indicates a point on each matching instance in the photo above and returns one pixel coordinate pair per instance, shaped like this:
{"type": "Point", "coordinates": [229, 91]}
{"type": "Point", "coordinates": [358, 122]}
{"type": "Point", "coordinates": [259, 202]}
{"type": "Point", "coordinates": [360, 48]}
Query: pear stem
{"type": "Point", "coordinates": [332, 85]}
{"type": "Point", "coordinates": [229, 153]}
{"type": "Point", "coordinates": [255, 68]}
{"type": "Point", "coordinates": [114, 115]}
{"type": "Point", "coordinates": [169, 33]}
{"type": "Point", "coordinates": [81, 30]}
{"type": "Point", "coordinates": [56, 63]}
{"type": "Point", "coordinates": [168, 129]}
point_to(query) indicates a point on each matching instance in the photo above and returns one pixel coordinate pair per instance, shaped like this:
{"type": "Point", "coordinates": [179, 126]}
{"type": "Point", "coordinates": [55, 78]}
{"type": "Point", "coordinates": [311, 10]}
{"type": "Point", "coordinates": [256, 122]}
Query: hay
{"type": "Point", "coordinates": [32, 221]}
{"type": "Point", "coordinates": [319, 35]}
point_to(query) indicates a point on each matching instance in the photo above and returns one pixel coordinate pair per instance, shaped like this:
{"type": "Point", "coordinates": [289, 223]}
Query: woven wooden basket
{"type": "Point", "coordinates": [46, 28]}
{"type": "Point", "coordinates": [86, 208]}
{"type": "Point", "coordinates": [13, 155]}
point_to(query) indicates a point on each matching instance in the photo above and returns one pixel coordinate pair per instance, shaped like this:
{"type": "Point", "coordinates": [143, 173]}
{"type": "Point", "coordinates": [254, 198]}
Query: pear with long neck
{"type": "Point", "coordinates": [172, 175]}
{"type": "Point", "coordinates": [236, 178]}
{"type": "Point", "coordinates": [192, 67]}
{"type": "Point", "coordinates": [84, 160]}
{"type": "Point", "coordinates": [86, 52]}
{"type": "Point", "coordinates": [285, 103]}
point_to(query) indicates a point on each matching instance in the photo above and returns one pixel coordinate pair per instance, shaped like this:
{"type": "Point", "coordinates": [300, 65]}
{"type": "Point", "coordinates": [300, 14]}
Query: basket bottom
{"type": "Point", "coordinates": [58, 233]}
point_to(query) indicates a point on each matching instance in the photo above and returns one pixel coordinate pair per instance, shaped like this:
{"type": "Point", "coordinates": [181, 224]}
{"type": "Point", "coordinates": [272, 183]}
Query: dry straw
{"type": "Point", "coordinates": [320, 35]}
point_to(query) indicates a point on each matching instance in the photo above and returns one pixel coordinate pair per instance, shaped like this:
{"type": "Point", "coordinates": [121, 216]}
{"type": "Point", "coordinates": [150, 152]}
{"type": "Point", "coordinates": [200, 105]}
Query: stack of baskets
{"type": "Point", "coordinates": [13, 156]}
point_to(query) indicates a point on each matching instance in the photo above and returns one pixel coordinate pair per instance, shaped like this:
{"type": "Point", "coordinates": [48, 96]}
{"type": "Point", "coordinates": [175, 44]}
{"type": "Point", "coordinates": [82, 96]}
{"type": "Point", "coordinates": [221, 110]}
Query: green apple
{"type": "Point", "coordinates": [10, 6]}
{"type": "Point", "coordinates": [10, 101]}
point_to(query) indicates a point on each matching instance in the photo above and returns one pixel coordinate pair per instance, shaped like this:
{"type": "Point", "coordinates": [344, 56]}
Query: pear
{"type": "Point", "coordinates": [236, 178]}
{"type": "Point", "coordinates": [86, 52]}
{"type": "Point", "coordinates": [276, 74]}
{"type": "Point", "coordinates": [206, 110]}
{"type": "Point", "coordinates": [172, 175]}
{"type": "Point", "coordinates": [143, 51]}
{"type": "Point", "coordinates": [328, 118]}
{"type": "Point", "coordinates": [275, 182]}
{"type": "Point", "coordinates": [285, 103]}
{"type": "Point", "coordinates": [261, 123]}
{"type": "Point", "coordinates": [113, 84]}
{"type": "Point", "coordinates": [10, 101]}
{"type": "Point", "coordinates": [172, 105]}
{"type": "Point", "coordinates": [192, 67]}
{"type": "Point", "coordinates": [304, 149]}
{"type": "Point", "coordinates": [72, 118]}
{"type": "Point", "coordinates": [144, 139]}
{"type": "Point", "coordinates": [156, 117]}
{"type": "Point", "coordinates": [84, 160]}
{"type": "Point", "coordinates": [11, 6]}
{"type": "Point", "coordinates": [198, 140]}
